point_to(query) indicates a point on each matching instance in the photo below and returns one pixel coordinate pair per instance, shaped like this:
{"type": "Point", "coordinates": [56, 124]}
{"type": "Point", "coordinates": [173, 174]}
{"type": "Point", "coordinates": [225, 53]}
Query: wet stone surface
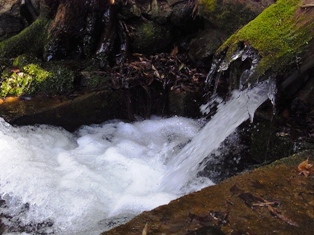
{"type": "Point", "coordinates": [275, 199]}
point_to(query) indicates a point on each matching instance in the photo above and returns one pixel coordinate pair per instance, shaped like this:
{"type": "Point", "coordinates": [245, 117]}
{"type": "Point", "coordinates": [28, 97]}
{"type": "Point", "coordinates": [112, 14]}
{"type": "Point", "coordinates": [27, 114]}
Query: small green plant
{"type": "Point", "coordinates": [18, 83]}
{"type": "Point", "coordinates": [33, 78]}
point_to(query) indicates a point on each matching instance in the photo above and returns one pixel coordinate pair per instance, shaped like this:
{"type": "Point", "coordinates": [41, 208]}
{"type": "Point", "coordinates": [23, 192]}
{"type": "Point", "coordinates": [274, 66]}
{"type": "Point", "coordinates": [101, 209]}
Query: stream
{"type": "Point", "coordinates": [56, 182]}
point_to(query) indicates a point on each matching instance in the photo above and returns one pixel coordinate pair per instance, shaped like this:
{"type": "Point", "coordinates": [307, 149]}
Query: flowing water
{"type": "Point", "coordinates": [56, 182]}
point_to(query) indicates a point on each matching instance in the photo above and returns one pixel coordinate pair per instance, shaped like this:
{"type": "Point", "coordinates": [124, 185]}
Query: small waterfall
{"type": "Point", "coordinates": [222, 63]}
{"type": "Point", "coordinates": [240, 107]}
{"type": "Point", "coordinates": [56, 182]}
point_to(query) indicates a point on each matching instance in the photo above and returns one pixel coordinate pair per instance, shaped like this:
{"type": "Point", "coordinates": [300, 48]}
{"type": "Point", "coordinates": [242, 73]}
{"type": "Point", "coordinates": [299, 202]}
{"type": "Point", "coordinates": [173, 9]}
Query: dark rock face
{"type": "Point", "coordinates": [11, 21]}
{"type": "Point", "coordinates": [16, 15]}
{"type": "Point", "coordinates": [75, 31]}
{"type": "Point", "coordinates": [70, 113]}
{"type": "Point", "coordinates": [10, 25]}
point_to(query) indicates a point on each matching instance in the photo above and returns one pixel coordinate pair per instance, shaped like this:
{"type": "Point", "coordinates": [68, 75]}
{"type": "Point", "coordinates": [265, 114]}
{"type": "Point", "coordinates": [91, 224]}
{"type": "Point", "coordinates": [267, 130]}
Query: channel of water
{"type": "Point", "coordinates": [56, 182]}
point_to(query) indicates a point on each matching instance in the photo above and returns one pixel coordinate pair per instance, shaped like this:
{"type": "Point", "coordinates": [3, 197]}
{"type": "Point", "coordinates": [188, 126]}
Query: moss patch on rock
{"type": "Point", "coordinates": [30, 40]}
{"type": "Point", "coordinates": [151, 38]}
{"type": "Point", "coordinates": [35, 77]}
{"type": "Point", "coordinates": [207, 6]}
{"type": "Point", "coordinates": [276, 34]}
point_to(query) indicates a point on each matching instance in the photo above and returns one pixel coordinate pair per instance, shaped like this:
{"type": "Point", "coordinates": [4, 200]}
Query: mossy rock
{"type": "Point", "coordinates": [25, 59]}
{"type": "Point", "coordinates": [33, 77]}
{"type": "Point", "coordinates": [30, 40]}
{"type": "Point", "coordinates": [151, 37]}
{"type": "Point", "coordinates": [93, 79]}
{"type": "Point", "coordinates": [280, 34]}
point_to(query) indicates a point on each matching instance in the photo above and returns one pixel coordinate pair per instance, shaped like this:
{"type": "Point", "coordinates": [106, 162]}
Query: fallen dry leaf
{"type": "Point", "coordinates": [305, 168]}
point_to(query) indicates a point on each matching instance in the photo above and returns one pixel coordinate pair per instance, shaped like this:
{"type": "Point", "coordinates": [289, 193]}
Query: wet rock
{"type": "Point", "coordinates": [205, 44]}
{"type": "Point", "coordinates": [269, 143]}
{"type": "Point", "coordinates": [151, 38]}
{"type": "Point", "coordinates": [226, 16]}
{"type": "Point", "coordinates": [185, 104]}
{"type": "Point", "coordinates": [68, 112]}
{"type": "Point", "coordinates": [10, 25]}
{"type": "Point", "coordinates": [11, 21]}
{"type": "Point", "coordinates": [222, 18]}
{"type": "Point", "coordinates": [30, 10]}
{"type": "Point", "coordinates": [75, 31]}
{"type": "Point", "coordinates": [9, 6]}
{"type": "Point", "coordinates": [271, 198]}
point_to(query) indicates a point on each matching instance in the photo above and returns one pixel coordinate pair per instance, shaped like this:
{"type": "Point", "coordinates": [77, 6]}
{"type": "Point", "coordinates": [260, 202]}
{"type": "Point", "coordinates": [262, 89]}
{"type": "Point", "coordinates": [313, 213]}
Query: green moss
{"type": "Point", "coordinates": [275, 34]}
{"type": "Point", "coordinates": [25, 59]}
{"type": "Point", "coordinates": [33, 78]}
{"type": "Point", "coordinates": [96, 80]}
{"type": "Point", "coordinates": [151, 37]}
{"type": "Point", "coordinates": [62, 79]}
{"type": "Point", "coordinates": [22, 82]}
{"type": "Point", "coordinates": [207, 6]}
{"type": "Point", "coordinates": [147, 32]}
{"type": "Point", "coordinates": [31, 39]}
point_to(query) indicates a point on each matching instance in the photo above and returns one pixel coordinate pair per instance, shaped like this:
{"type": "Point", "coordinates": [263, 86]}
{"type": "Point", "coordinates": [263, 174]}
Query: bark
{"type": "Point", "coordinates": [80, 29]}
{"type": "Point", "coordinates": [99, 39]}
{"type": "Point", "coordinates": [99, 35]}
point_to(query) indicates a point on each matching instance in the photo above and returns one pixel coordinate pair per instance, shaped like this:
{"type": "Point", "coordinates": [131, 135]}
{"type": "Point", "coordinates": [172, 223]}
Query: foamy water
{"type": "Point", "coordinates": [229, 116]}
{"type": "Point", "coordinates": [63, 183]}
{"type": "Point", "coordinates": [78, 181]}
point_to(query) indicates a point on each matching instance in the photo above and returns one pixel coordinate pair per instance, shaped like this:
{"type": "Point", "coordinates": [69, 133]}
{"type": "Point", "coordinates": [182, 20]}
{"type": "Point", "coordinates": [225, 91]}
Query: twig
{"type": "Point", "coordinates": [281, 216]}
{"type": "Point", "coordinates": [145, 229]}
{"type": "Point", "coordinates": [276, 213]}
{"type": "Point", "coordinates": [307, 5]}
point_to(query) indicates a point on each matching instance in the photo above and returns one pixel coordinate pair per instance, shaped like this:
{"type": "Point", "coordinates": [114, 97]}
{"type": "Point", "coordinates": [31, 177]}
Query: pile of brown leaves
{"type": "Point", "coordinates": [174, 71]}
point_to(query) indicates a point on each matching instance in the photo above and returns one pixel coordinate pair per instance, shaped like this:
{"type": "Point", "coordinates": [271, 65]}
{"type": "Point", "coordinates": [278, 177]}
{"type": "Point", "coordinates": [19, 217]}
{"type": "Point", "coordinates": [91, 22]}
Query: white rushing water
{"type": "Point", "coordinates": [64, 183]}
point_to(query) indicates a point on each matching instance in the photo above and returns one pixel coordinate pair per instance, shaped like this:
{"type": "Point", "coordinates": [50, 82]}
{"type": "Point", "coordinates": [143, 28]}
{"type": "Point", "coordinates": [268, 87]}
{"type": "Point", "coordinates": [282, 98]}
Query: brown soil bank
{"type": "Point", "coordinates": [274, 199]}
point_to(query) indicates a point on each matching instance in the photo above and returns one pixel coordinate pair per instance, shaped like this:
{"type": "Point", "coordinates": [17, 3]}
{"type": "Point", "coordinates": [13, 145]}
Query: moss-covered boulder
{"type": "Point", "coordinates": [30, 40]}
{"type": "Point", "coordinates": [276, 43]}
{"type": "Point", "coordinates": [221, 19]}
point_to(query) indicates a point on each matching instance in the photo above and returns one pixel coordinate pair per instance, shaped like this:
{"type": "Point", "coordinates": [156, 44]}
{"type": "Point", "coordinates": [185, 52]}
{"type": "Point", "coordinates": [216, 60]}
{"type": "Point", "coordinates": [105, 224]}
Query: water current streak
{"type": "Point", "coordinates": [241, 106]}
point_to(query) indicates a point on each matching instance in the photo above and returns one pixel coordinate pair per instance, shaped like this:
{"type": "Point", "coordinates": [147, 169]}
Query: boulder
{"type": "Point", "coordinates": [275, 198]}
{"type": "Point", "coordinates": [276, 44]}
